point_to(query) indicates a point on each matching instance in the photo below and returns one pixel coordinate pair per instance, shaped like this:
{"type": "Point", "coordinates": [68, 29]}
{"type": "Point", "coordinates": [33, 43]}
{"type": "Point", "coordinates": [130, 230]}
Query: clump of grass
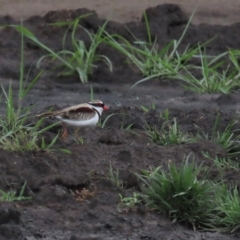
{"type": "Point", "coordinates": [228, 208]}
{"type": "Point", "coordinates": [149, 59]}
{"type": "Point", "coordinates": [186, 195]}
{"type": "Point", "coordinates": [169, 134]}
{"type": "Point", "coordinates": [11, 196]}
{"type": "Point", "coordinates": [179, 193]}
{"type": "Point", "coordinates": [213, 80]}
{"type": "Point", "coordinates": [81, 60]}
{"type": "Point", "coordinates": [227, 138]}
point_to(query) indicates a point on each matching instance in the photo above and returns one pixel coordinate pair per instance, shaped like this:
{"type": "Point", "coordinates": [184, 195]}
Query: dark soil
{"type": "Point", "coordinates": [56, 211]}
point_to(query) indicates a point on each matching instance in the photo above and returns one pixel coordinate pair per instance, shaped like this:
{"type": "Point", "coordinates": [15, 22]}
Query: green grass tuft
{"type": "Point", "coordinates": [179, 193]}
{"type": "Point", "coordinates": [11, 196]}
{"type": "Point", "coordinates": [169, 134]}
{"type": "Point", "coordinates": [81, 60]}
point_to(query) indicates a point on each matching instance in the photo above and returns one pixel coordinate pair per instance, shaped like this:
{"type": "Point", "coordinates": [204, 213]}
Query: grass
{"type": "Point", "coordinates": [16, 133]}
{"type": "Point", "coordinates": [227, 139]}
{"type": "Point", "coordinates": [78, 140]}
{"type": "Point", "coordinates": [165, 115]}
{"type": "Point", "coordinates": [177, 191]}
{"type": "Point", "coordinates": [213, 80]}
{"type": "Point", "coordinates": [228, 206]}
{"type": "Point", "coordinates": [129, 203]}
{"type": "Point", "coordinates": [168, 63]}
{"type": "Point", "coordinates": [113, 176]}
{"type": "Point", "coordinates": [169, 134]}
{"type": "Point", "coordinates": [234, 55]}
{"type": "Point", "coordinates": [11, 196]}
{"type": "Point", "coordinates": [223, 162]}
{"type": "Point", "coordinates": [149, 59]}
{"type": "Point", "coordinates": [80, 60]}
{"type": "Point", "coordinates": [102, 124]}
{"type": "Point", "coordinates": [180, 193]}
{"type": "Point", "coordinates": [146, 56]}
{"type": "Point", "coordinates": [146, 110]}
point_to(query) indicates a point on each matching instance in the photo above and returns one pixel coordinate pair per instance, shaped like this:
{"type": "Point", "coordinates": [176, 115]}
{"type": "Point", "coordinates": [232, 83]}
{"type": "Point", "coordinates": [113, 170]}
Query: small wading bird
{"type": "Point", "coordinates": [81, 115]}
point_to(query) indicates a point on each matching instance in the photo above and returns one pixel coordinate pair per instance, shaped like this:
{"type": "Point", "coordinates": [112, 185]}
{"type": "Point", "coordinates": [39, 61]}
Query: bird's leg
{"type": "Point", "coordinates": [64, 134]}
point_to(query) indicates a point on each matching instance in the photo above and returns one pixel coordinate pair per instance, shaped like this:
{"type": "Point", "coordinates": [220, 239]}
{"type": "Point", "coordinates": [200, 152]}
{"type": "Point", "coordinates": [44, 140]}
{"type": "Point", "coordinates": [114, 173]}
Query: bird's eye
{"type": "Point", "coordinates": [98, 104]}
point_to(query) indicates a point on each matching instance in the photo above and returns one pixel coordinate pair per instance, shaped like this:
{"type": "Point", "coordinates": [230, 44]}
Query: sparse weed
{"type": "Point", "coordinates": [165, 115]}
{"type": "Point", "coordinates": [103, 124]}
{"type": "Point", "coordinates": [129, 203]}
{"type": "Point", "coordinates": [78, 140]}
{"type": "Point", "coordinates": [145, 109]}
{"type": "Point", "coordinates": [49, 147]}
{"type": "Point", "coordinates": [11, 196]}
{"type": "Point", "coordinates": [223, 162]}
{"type": "Point", "coordinates": [126, 127]}
{"type": "Point", "coordinates": [113, 176]}
{"type": "Point", "coordinates": [169, 134]}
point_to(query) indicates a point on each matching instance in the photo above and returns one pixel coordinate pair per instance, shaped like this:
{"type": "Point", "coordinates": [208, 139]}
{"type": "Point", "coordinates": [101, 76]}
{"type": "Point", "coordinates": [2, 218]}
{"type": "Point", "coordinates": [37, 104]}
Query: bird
{"type": "Point", "coordinates": [81, 115]}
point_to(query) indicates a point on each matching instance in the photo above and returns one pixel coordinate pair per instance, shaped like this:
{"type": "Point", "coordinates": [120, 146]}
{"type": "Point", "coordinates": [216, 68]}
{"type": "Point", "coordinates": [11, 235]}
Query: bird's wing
{"type": "Point", "coordinates": [81, 111]}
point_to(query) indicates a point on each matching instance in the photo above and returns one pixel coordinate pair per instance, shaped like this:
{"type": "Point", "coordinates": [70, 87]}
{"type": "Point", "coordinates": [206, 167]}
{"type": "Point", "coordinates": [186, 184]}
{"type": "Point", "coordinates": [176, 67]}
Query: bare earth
{"type": "Point", "coordinates": [209, 11]}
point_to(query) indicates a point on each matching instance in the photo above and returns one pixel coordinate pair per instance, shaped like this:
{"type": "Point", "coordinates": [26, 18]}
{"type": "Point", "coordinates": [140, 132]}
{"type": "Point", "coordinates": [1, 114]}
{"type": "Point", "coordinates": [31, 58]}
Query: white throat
{"type": "Point", "coordinates": [98, 109]}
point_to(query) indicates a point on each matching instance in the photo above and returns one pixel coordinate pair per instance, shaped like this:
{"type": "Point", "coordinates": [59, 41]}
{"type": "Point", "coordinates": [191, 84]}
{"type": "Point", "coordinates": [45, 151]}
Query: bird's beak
{"type": "Point", "coordinates": [105, 108]}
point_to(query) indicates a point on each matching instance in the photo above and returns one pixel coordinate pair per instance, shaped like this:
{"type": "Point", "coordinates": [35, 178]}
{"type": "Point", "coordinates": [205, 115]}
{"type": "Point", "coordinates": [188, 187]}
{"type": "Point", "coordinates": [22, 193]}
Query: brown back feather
{"type": "Point", "coordinates": [80, 109]}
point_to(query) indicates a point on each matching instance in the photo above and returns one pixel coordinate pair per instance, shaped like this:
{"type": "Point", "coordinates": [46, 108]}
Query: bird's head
{"type": "Point", "coordinates": [98, 105]}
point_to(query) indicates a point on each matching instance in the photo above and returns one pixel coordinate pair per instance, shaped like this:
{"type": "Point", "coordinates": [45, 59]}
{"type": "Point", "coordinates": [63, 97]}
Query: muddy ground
{"type": "Point", "coordinates": [212, 12]}
{"type": "Point", "coordinates": [54, 211]}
